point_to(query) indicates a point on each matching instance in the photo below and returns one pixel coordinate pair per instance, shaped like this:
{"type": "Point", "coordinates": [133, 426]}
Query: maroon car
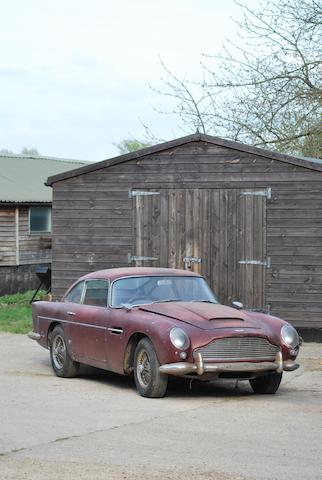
{"type": "Point", "coordinates": [156, 322]}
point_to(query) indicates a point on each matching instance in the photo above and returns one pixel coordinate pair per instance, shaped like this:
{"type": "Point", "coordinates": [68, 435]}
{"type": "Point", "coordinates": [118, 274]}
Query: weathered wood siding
{"type": "Point", "coordinates": [92, 218]}
{"type": "Point", "coordinates": [7, 236]}
{"type": "Point", "coordinates": [32, 248]}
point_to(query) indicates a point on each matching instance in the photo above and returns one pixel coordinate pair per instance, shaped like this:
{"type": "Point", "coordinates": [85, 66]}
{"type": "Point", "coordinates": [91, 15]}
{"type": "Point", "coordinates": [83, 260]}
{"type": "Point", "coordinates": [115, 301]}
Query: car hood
{"type": "Point", "coordinates": [207, 316]}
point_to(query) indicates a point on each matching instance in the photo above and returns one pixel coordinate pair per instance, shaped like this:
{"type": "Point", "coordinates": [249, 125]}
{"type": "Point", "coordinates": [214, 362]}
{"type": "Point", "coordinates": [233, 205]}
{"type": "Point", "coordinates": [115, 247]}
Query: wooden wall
{"type": "Point", "coordinates": [92, 218]}
{"type": "Point", "coordinates": [7, 236]}
{"type": "Point", "coordinates": [32, 248]}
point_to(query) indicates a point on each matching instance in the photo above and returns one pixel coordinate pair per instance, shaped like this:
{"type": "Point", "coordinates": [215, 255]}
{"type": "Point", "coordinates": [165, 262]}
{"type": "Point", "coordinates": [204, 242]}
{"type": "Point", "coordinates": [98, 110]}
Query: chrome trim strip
{"type": "Point", "coordinates": [115, 331]}
{"type": "Point", "coordinates": [73, 323]}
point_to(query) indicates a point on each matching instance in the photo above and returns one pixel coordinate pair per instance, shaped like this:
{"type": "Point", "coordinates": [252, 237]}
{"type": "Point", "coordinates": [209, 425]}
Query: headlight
{"type": "Point", "coordinates": [179, 338]}
{"type": "Point", "coordinates": [290, 336]}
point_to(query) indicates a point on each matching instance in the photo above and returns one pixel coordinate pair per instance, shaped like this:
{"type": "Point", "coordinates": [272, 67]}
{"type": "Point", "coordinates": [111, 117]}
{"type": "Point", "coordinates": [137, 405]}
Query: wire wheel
{"type": "Point", "coordinates": [59, 352]}
{"type": "Point", "coordinates": [143, 368]}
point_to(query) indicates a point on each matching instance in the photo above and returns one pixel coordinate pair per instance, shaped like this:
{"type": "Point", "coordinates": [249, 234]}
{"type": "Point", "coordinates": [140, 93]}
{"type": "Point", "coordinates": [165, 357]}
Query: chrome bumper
{"type": "Point", "coordinates": [34, 336]}
{"type": "Point", "coordinates": [200, 367]}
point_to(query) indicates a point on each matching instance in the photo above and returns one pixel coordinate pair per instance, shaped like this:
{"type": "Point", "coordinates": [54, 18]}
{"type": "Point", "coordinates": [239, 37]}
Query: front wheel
{"type": "Point", "coordinates": [62, 363]}
{"type": "Point", "coordinates": [266, 384]}
{"type": "Point", "coordinates": [149, 381]}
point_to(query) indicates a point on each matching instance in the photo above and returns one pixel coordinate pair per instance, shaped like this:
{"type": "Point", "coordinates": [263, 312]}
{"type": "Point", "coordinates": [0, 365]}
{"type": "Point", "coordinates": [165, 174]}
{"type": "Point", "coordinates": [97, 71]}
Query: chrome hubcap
{"type": "Point", "coordinates": [143, 369]}
{"type": "Point", "coordinates": [59, 352]}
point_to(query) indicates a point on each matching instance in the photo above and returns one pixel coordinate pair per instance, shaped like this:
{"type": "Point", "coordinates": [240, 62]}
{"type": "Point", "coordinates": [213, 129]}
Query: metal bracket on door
{"type": "Point", "coordinates": [189, 260]}
{"type": "Point", "coordinates": [265, 263]}
{"type": "Point", "coordinates": [133, 258]}
{"type": "Point", "coordinates": [260, 193]}
{"type": "Point", "coordinates": [139, 193]}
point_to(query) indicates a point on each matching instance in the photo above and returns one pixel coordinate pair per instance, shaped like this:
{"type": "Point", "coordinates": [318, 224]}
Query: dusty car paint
{"type": "Point", "coordinates": [104, 336]}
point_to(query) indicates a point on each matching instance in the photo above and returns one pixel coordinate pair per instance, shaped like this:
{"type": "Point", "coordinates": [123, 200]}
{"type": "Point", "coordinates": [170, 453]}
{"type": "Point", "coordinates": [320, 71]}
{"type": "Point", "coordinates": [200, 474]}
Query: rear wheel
{"type": "Point", "coordinates": [62, 363]}
{"type": "Point", "coordinates": [266, 384]}
{"type": "Point", "coordinates": [149, 381]}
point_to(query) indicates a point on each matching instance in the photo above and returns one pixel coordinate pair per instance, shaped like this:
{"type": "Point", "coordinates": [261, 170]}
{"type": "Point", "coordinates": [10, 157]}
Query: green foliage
{"type": "Point", "coordinates": [20, 298]}
{"type": "Point", "coordinates": [15, 312]}
{"type": "Point", "coordinates": [15, 319]}
{"type": "Point", "coordinates": [130, 145]}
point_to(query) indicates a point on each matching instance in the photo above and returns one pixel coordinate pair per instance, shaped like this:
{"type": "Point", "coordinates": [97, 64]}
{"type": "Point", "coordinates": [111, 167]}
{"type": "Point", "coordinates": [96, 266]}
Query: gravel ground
{"type": "Point", "coordinates": [97, 427]}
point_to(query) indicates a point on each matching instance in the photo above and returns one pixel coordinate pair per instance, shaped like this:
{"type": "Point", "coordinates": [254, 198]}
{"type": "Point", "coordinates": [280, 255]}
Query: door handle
{"type": "Point", "coordinates": [71, 313]}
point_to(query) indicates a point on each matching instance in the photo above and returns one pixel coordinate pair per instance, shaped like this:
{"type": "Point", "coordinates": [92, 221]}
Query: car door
{"type": "Point", "coordinates": [87, 323]}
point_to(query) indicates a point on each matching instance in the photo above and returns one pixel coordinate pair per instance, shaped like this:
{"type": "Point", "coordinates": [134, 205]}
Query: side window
{"type": "Point", "coordinates": [75, 295]}
{"type": "Point", "coordinates": [96, 293]}
{"type": "Point", "coordinates": [39, 219]}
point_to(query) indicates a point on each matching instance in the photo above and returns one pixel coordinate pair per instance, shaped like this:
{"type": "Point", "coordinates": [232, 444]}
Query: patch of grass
{"type": "Point", "coordinates": [20, 298]}
{"type": "Point", "coordinates": [15, 312]}
{"type": "Point", "coordinates": [15, 319]}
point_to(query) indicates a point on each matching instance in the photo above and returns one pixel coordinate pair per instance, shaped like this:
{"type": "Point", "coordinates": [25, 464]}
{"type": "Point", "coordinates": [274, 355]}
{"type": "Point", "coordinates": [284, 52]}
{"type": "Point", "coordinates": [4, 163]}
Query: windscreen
{"type": "Point", "coordinates": [147, 290]}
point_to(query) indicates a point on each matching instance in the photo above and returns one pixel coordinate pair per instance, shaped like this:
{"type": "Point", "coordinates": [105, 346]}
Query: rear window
{"type": "Point", "coordinates": [96, 293]}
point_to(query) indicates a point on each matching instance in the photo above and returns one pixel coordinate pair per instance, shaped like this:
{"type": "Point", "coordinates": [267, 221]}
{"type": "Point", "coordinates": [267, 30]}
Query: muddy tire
{"type": "Point", "coordinates": [149, 381]}
{"type": "Point", "coordinates": [61, 361]}
{"type": "Point", "coordinates": [266, 384]}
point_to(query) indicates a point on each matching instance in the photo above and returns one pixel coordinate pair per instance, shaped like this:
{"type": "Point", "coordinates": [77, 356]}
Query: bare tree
{"type": "Point", "coordinates": [265, 89]}
{"type": "Point", "coordinates": [29, 151]}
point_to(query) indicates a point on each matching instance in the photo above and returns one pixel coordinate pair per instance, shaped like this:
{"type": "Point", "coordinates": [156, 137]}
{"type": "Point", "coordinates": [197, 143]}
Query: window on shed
{"type": "Point", "coordinates": [40, 219]}
{"type": "Point", "coordinates": [96, 293]}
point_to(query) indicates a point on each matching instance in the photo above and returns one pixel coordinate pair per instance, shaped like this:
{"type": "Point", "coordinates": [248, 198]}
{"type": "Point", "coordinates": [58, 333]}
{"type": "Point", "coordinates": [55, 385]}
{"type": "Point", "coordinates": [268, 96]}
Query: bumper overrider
{"type": "Point", "coordinates": [200, 367]}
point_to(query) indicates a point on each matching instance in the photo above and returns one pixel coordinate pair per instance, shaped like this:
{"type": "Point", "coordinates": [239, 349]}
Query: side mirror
{"type": "Point", "coordinates": [238, 305]}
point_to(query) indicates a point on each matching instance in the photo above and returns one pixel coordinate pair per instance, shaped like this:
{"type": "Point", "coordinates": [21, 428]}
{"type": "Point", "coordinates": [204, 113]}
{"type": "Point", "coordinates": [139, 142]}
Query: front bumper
{"type": "Point", "coordinates": [200, 367]}
{"type": "Point", "coordinates": [34, 336]}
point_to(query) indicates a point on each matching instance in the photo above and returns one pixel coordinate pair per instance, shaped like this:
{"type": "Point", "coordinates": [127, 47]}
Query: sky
{"type": "Point", "coordinates": [76, 75]}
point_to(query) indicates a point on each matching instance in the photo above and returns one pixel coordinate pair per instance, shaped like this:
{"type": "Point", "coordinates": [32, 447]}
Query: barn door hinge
{"type": "Point", "coordinates": [260, 193]}
{"type": "Point", "coordinates": [141, 193]}
{"type": "Point", "coordinates": [265, 263]}
{"type": "Point", "coordinates": [134, 258]}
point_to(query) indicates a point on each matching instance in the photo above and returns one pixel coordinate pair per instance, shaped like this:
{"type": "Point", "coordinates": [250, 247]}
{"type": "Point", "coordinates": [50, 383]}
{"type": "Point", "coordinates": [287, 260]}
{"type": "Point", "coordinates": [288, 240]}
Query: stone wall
{"type": "Point", "coordinates": [18, 279]}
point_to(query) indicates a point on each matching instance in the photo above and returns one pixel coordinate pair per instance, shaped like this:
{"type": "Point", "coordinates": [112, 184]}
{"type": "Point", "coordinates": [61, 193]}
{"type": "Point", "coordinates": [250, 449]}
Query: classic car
{"type": "Point", "coordinates": [156, 322]}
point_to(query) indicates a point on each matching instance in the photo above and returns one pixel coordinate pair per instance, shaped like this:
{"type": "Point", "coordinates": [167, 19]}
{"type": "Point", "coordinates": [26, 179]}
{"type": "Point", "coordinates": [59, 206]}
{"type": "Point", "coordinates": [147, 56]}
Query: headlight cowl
{"type": "Point", "coordinates": [290, 336]}
{"type": "Point", "coordinates": [179, 338]}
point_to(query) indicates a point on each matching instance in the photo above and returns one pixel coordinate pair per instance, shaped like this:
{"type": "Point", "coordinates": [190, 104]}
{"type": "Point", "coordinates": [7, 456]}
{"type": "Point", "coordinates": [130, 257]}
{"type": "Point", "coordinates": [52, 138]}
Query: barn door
{"type": "Point", "coordinates": [218, 233]}
{"type": "Point", "coordinates": [251, 249]}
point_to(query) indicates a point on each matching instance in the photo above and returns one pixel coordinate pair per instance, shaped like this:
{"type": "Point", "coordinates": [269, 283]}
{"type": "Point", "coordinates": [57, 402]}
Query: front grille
{"type": "Point", "coordinates": [238, 348]}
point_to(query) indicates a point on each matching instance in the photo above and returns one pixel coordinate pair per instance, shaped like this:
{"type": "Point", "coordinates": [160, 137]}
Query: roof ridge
{"type": "Point", "coordinates": [196, 137]}
{"type": "Point", "coordinates": [42, 157]}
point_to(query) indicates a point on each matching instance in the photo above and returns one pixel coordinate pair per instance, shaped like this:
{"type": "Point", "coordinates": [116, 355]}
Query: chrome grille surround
{"type": "Point", "coordinates": [238, 349]}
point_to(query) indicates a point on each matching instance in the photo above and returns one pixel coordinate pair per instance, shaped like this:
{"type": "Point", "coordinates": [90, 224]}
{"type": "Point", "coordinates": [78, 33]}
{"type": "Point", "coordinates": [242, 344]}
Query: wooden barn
{"type": "Point", "coordinates": [248, 219]}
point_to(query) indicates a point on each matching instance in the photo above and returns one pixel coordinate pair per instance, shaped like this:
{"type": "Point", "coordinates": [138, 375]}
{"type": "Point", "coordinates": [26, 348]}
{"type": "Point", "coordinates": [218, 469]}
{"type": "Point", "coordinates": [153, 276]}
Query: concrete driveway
{"type": "Point", "coordinates": [97, 427]}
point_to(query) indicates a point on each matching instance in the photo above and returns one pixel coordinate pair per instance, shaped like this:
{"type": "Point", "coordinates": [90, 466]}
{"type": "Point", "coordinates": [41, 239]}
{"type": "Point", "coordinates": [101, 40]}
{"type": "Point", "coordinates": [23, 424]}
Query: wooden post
{"type": "Point", "coordinates": [17, 235]}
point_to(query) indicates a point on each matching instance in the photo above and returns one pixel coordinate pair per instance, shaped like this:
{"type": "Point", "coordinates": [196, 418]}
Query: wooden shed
{"type": "Point", "coordinates": [25, 217]}
{"type": "Point", "coordinates": [248, 219]}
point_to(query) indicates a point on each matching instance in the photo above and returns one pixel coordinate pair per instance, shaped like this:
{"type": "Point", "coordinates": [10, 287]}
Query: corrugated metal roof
{"type": "Point", "coordinates": [23, 177]}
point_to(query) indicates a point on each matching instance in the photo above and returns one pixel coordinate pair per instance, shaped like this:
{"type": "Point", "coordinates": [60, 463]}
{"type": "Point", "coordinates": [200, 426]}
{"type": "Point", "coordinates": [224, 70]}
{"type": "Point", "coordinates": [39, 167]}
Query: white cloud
{"type": "Point", "coordinates": [75, 74]}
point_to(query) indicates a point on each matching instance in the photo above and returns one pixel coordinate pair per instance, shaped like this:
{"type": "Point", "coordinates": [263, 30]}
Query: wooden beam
{"type": "Point", "coordinates": [17, 235]}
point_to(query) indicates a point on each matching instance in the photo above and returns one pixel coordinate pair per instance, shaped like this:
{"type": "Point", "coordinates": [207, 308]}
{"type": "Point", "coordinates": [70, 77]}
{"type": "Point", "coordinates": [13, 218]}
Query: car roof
{"type": "Point", "coordinates": [115, 273]}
